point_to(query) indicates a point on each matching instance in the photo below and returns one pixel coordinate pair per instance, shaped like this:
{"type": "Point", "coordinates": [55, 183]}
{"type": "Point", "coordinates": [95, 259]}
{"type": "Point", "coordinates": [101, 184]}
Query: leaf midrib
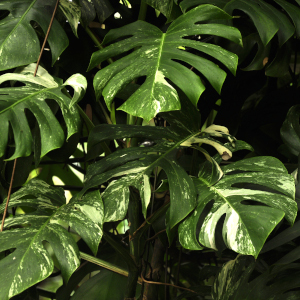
{"type": "Point", "coordinates": [158, 62]}
{"type": "Point", "coordinates": [36, 235]}
{"type": "Point", "coordinates": [16, 26]}
{"type": "Point", "coordinates": [26, 98]}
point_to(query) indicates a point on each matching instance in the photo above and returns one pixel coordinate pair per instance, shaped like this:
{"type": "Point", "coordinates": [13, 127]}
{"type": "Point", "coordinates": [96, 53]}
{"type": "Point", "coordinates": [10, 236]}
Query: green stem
{"type": "Point", "coordinates": [90, 126]}
{"type": "Point", "coordinates": [143, 10]}
{"type": "Point", "coordinates": [113, 113]}
{"type": "Point", "coordinates": [134, 221]}
{"type": "Point", "coordinates": [130, 121]}
{"type": "Point", "coordinates": [96, 41]}
{"type": "Point", "coordinates": [108, 120]}
{"type": "Point", "coordinates": [132, 267]}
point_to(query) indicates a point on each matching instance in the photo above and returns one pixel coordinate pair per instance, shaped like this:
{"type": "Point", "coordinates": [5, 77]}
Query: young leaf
{"type": "Point", "coordinates": [32, 96]}
{"type": "Point", "coordinates": [19, 44]}
{"type": "Point", "coordinates": [154, 56]}
{"type": "Point", "coordinates": [29, 262]}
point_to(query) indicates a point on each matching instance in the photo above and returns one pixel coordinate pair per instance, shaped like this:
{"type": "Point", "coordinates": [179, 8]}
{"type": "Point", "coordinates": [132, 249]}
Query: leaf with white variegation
{"type": "Point", "coordinates": [135, 165]}
{"type": "Point", "coordinates": [89, 9]}
{"type": "Point", "coordinates": [15, 100]}
{"type": "Point", "coordinates": [29, 262]}
{"type": "Point", "coordinates": [72, 11]}
{"type": "Point", "coordinates": [154, 54]}
{"type": "Point", "coordinates": [246, 226]}
{"type": "Point", "coordinates": [237, 281]}
{"type": "Point", "coordinates": [19, 43]}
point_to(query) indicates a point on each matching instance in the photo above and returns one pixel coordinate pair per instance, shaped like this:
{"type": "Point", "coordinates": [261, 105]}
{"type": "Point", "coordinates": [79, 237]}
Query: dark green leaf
{"type": "Point", "coordinates": [19, 44]}
{"type": "Point", "coordinates": [233, 282]}
{"type": "Point", "coordinates": [290, 130]}
{"type": "Point", "coordinates": [89, 8]}
{"type": "Point", "coordinates": [166, 7]}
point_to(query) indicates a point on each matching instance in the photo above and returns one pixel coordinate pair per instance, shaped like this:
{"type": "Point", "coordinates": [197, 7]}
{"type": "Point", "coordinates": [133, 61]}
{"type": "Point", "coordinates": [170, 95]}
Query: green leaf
{"type": "Point", "coordinates": [72, 11]}
{"type": "Point", "coordinates": [233, 282]}
{"type": "Point", "coordinates": [283, 237]}
{"type": "Point", "coordinates": [136, 166]}
{"type": "Point", "coordinates": [153, 56]}
{"type": "Point", "coordinates": [29, 262]}
{"type": "Point", "coordinates": [188, 4]}
{"type": "Point", "coordinates": [286, 28]}
{"type": "Point", "coordinates": [32, 96]}
{"type": "Point", "coordinates": [246, 226]}
{"type": "Point", "coordinates": [19, 44]}
{"type": "Point", "coordinates": [89, 9]}
{"type": "Point", "coordinates": [290, 130]}
{"type": "Point", "coordinates": [266, 23]}
{"type": "Point", "coordinates": [293, 11]}
{"type": "Point", "coordinates": [166, 7]}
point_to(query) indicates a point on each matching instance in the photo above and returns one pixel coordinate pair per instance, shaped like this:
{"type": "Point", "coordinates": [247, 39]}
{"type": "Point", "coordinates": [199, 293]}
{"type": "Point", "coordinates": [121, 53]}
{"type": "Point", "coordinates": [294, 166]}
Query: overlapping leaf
{"type": "Point", "coordinates": [89, 9]}
{"type": "Point", "coordinates": [268, 20]}
{"type": "Point", "coordinates": [233, 282]}
{"type": "Point", "coordinates": [156, 54]}
{"type": "Point", "coordinates": [290, 130]}
{"type": "Point", "coordinates": [246, 226]}
{"type": "Point", "coordinates": [72, 12]}
{"type": "Point", "coordinates": [19, 43]}
{"type": "Point", "coordinates": [29, 262]}
{"type": "Point", "coordinates": [15, 100]}
{"type": "Point", "coordinates": [166, 7]}
{"type": "Point", "coordinates": [135, 165]}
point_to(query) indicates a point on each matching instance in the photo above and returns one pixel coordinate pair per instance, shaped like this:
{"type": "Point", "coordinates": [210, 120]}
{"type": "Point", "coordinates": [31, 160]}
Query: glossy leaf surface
{"type": "Point", "coordinates": [15, 100]}
{"type": "Point", "coordinates": [29, 262]}
{"type": "Point", "coordinates": [89, 9]}
{"type": "Point", "coordinates": [19, 43]}
{"type": "Point", "coordinates": [166, 7]}
{"type": "Point", "coordinates": [290, 130]}
{"type": "Point", "coordinates": [234, 283]}
{"type": "Point", "coordinates": [72, 12]}
{"type": "Point", "coordinates": [246, 226]}
{"type": "Point", "coordinates": [155, 56]}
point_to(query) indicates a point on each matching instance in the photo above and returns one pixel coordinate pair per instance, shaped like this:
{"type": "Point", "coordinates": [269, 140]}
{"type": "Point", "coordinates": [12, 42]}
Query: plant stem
{"type": "Point", "coordinates": [96, 41]}
{"type": "Point", "coordinates": [105, 264]}
{"type": "Point", "coordinates": [143, 11]}
{"type": "Point", "coordinates": [134, 221]}
{"type": "Point", "coordinates": [112, 119]}
{"type": "Point", "coordinates": [8, 195]}
{"type": "Point", "coordinates": [90, 126]}
{"type": "Point", "coordinates": [132, 267]}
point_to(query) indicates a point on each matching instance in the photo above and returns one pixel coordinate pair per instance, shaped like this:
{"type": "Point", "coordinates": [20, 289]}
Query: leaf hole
{"type": "Point", "coordinates": [4, 14]}
{"type": "Point", "coordinates": [256, 187]}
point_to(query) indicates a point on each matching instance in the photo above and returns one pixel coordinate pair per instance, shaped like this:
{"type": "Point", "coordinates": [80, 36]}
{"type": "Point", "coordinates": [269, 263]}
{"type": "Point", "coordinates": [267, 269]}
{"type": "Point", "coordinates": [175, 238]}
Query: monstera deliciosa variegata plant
{"type": "Point", "coordinates": [153, 168]}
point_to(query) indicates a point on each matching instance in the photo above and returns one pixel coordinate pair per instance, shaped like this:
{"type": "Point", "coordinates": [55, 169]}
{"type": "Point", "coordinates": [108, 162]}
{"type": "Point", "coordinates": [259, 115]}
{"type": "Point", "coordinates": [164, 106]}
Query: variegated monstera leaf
{"type": "Point", "coordinates": [14, 101]}
{"type": "Point", "coordinates": [134, 166]}
{"type": "Point", "coordinates": [254, 194]}
{"type": "Point", "coordinates": [26, 236]}
{"type": "Point", "coordinates": [157, 56]}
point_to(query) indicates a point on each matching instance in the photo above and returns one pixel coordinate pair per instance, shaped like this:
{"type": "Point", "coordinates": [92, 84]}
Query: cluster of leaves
{"type": "Point", "coordinates": [155, 167]}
